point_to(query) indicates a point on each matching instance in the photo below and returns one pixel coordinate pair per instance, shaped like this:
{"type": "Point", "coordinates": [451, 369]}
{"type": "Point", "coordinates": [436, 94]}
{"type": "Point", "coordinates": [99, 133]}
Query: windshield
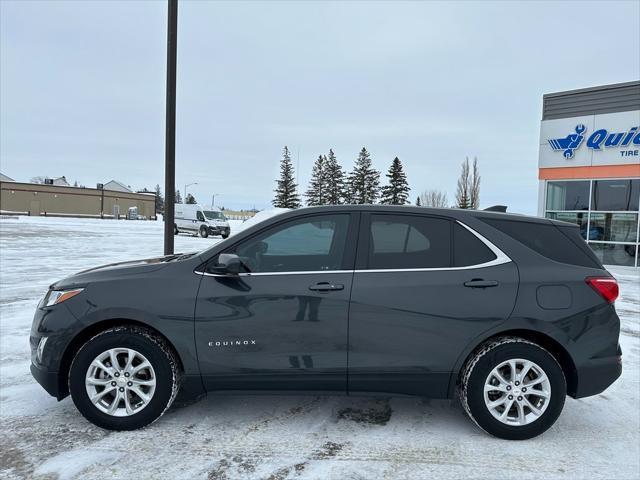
{"type": "Point", "coordinates": [214, 215]}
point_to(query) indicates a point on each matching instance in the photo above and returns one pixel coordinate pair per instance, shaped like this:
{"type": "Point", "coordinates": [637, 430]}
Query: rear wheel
{"type": "Point", "coordinates": [513, 388]}
{"type": "Point", "coordinates": [204, 233]}
{"type": "Point", "coordinates": [124, 378]}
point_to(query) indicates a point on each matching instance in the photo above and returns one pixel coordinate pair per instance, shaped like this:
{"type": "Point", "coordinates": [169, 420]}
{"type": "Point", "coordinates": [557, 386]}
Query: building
{"type": "Point", "coordinates": [117, 186]}
{"type": "Point", "coordinates": [60, 200]}
{"type": "Point", "coordinates": [589, 166]}
{"type": "Point", "coordinates": [5, 178]}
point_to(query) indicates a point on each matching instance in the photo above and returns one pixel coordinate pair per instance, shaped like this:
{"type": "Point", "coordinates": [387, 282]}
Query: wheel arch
{"type": "Point", "coordinates": [547, 342]}
{"type": "Point", "coordinates": [89, 332]}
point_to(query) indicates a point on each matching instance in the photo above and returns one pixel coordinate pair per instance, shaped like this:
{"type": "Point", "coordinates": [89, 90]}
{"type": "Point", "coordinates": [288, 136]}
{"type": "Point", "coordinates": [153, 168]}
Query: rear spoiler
{"type": "Point", "coordinates": [497, 208]}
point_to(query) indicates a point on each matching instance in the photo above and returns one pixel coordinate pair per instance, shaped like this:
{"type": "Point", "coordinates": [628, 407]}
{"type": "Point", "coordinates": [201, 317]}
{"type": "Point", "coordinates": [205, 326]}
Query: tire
{"type": "Point", "coordinates": [225, 236]}
{"type": "Point", "coordinates": [175, 230]}
{"type": "Point", "coordinates": [204, 233]}
{"type": "Point", "coordinates": [133, 412]}
{"type": "Point", "coordinates": [521, 422]}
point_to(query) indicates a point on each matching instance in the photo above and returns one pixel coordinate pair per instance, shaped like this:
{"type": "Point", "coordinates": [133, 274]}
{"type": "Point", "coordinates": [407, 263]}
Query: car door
{"type": "Point", "coordinates": [423, 288]}
{"type": "Point", "coordinates": [281, 325]}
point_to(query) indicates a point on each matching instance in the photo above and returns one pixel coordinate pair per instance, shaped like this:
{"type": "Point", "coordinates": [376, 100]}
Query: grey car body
{"type": "Point", "coordinates": [347, 328]}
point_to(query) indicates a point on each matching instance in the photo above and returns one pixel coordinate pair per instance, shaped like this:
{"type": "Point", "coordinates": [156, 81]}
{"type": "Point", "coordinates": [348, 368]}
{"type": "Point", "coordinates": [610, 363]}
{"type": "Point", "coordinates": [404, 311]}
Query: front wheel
{"type": "Point", "coordinates": [513, 388]}
{"type": "Point", "coordinates": [204, 233]}
{"type": "Point", "coordinates": [124, 378]}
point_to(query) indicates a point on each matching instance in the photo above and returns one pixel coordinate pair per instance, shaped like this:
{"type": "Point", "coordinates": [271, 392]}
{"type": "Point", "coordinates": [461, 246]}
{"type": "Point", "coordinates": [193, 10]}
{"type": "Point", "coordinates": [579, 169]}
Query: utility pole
{"type": "Point", "coordinates": [170, 134]}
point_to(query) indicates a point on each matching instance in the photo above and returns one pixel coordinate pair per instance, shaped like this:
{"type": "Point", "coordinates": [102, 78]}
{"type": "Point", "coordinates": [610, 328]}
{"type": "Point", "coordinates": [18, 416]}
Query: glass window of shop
{"type": "Point", "coordinates": [607, 212]}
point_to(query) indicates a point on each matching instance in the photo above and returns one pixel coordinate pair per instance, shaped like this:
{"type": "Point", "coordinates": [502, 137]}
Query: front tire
{"type": "Point", "coordinates": [204, 233]}
{"type": "Point", "coordinates": [124, 378]}
{"type": "Point", "coordinates": [513, 388]}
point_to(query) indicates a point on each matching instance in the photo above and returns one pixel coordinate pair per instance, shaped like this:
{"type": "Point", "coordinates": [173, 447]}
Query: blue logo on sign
{"type": "Point", "coordinates": [597, 140]}
{"type": "Point", "coordinates": [569, 143]}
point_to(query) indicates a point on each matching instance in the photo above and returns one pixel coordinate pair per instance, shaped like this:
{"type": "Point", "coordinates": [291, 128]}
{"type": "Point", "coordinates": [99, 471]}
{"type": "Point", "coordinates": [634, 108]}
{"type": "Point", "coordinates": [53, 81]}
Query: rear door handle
{"type": "Point", "coordinates": [326, 287]}
{"type": "Point", "coordinates": [479, 283]}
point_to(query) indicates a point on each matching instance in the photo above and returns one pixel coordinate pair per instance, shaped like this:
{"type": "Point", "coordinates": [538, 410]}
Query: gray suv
{"type": "Point", "coordinates": [510, 313]}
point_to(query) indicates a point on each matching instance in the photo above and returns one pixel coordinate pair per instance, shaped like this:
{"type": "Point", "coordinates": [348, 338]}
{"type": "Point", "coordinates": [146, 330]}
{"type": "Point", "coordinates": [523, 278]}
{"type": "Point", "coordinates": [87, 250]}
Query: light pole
{"type": "Point", "coordinates": [170, 133]}
{"type": "Point", "coordinates": [185, 189]}
{"type": "Point", "coordinates": [213, 199]}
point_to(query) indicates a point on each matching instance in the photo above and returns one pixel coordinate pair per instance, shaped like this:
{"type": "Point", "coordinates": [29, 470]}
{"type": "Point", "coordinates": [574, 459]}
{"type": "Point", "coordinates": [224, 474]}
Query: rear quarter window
{"type": "Point", "coordinates": [548, 240]}
{"type": "Point", "coordinates": [468, 250]}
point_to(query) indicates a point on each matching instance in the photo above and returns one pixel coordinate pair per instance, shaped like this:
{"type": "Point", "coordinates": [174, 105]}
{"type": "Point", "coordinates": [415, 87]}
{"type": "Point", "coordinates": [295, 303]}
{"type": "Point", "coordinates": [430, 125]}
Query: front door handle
{"type": "Point", "coordinates": [479, 283]}
{"type": "Point", "coordinates": [325, 287]}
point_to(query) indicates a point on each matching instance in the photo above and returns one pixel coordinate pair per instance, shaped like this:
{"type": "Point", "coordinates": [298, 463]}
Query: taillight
{"type": "Point", "coordinates": [607, 287]}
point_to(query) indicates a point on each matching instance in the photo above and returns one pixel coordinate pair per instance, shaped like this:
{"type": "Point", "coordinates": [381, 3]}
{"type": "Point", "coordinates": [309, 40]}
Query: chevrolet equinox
{"type": "Point", "coordinates": [510, 313]}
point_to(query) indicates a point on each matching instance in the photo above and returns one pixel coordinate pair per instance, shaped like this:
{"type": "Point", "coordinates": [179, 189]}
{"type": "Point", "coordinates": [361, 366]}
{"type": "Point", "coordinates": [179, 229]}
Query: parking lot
{"type": "Point", "coordinates": [275, 437]}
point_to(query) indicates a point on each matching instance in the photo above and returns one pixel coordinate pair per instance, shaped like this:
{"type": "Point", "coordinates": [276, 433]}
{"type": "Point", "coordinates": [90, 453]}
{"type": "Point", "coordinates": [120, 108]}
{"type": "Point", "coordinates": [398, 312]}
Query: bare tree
{"type": "Point", "coordinates": [474, 194]}
{"type": "Point", "coordinates": [433, 198]}
{"type": "Point", "coordinates": [463, 194]}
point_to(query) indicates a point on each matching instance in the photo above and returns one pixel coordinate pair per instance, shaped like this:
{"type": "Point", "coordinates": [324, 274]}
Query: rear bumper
{"type": "Point", "coordinates": [48, 381]}
{"type": "Point", "coordinates": [598, 375]}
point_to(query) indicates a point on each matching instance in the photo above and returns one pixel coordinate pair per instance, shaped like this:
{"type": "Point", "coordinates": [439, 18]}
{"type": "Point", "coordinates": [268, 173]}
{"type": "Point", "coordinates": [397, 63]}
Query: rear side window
{"type": "Point", "coordinates": [407, 241]}
{"type": "Point", "coordinates": [547, 240]}
{"type": "Point", "coordinates": [468, 249]}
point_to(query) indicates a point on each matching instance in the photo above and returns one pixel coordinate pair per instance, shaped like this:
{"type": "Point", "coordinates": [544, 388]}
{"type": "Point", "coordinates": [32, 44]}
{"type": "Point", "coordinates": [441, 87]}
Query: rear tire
{"type": "Point", "coordinates": [124, 403]}
{"type": "Point", "coordinates": [513, 406]}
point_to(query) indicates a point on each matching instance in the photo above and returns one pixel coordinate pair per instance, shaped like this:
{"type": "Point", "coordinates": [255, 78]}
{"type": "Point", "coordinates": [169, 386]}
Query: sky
{"type": "Point", "coordinates": [82, 89]}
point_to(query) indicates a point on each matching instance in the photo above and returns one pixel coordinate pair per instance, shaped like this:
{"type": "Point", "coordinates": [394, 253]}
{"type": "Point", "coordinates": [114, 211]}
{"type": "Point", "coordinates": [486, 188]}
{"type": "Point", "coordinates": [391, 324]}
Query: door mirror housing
{"type": "Point", "coordinates": [227, 264]}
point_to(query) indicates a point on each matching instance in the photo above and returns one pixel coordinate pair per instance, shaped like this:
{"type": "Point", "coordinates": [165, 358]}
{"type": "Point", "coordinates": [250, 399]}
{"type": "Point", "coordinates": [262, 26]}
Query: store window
{"type": "Point", "coordinates": [579, 218]}
{"type": "Point", "coordinates": [613, 227]}
{"type": "Point", "coordinates": [615, 254]}
{"type": "Point", "coordinates": [568, 195]}
{"type": "Point", "coordinates": [615, 195]}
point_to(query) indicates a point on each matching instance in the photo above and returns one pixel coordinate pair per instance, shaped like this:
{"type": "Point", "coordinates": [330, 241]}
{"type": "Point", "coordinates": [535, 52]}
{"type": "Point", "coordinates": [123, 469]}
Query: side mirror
{"type": "Point", "coordinates": [228, 264]}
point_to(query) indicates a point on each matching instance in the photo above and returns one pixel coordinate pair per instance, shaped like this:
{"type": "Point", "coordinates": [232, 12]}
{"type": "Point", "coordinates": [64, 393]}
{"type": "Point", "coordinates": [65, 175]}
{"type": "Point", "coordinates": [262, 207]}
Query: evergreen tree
{"type": "Point", "coordinates": [286, 194]}
{"type": "Point", "coordinates": [190, 200]}
{"type": "Point", "coordinates": [364, 180]}
{"type": "Point", "coordinates": [462, 193]}
{"type": "Point", "coordinates": [397, 192]}
{"type": "Point", "coordinates": [418, 202]}
{"type": "Point", "coordinates": [317, 191]}
{"type": "Point", "coordinates": [159, 200]}
{"type": "Point", "coordinates": [335, 191]}
{"type": "Point", "coordinates": [178, 198]}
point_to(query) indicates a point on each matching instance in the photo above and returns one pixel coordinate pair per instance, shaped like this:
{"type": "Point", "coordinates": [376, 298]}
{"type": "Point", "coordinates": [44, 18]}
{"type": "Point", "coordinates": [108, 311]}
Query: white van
{"type": "Point", "coordinates": [194, 219]}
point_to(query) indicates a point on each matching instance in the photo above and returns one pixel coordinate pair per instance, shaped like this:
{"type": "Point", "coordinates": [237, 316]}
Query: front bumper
{"type": "Point", "coordinates": [48, 380]}
{"type": "Point", "coordinates": [224, 231]}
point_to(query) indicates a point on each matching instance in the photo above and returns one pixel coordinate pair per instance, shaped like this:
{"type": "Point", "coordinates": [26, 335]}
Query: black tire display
{"type": "Point", "coordinates": [513, 388]}
{"type": "Point", "coordinates": [132, 375]}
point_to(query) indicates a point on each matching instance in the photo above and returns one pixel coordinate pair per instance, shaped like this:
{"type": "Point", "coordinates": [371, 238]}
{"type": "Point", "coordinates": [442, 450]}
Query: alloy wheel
{"type": "Point", "coordinates": [517, 392]}
{"type": "Point", "coordinates": [120, 382]}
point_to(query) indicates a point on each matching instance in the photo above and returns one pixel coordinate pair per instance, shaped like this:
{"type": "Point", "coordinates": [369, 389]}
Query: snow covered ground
{"type": "Point", "coordinates": [275, 437]}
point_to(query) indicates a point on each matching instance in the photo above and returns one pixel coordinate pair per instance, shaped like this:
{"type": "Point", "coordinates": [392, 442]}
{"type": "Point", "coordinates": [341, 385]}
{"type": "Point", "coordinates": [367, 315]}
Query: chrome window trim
{"type": "Point", "coordinates": [500, 259]}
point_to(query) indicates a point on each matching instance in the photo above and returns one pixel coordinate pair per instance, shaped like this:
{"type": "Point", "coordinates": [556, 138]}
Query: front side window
{"type": "Point", "coordinates": [312, 244]}
{"type": "Point", "coordinates": [409, 241]}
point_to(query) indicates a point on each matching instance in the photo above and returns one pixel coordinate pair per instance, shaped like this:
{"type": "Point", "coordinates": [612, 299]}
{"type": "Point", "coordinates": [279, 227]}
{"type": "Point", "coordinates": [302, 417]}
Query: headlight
{"type": "Point", "coordinates": [54, 297]}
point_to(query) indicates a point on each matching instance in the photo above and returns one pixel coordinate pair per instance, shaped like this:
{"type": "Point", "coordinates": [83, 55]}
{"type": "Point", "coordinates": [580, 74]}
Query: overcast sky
{"type": "Point", "coordinates": [82, 89]}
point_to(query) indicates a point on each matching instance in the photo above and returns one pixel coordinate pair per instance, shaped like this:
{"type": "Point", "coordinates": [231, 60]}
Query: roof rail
{"type": "Point", "coordinates": [496, 208]}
